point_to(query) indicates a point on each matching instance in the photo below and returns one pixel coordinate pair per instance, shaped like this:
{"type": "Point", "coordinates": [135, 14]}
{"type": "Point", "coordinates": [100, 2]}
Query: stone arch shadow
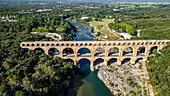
{"type": "Point", "coordinates": [68, 52]}
{"type": "Point", "coordinates": [54, 52]}
{"type": "Point", "coordinates": [83, 52]}
{"type": "Point", "coordinates": [84, 65]}
{"type": "Point", "coordinates": [125, 61]}
{"type": "Point", "coordinates": [112, 61]}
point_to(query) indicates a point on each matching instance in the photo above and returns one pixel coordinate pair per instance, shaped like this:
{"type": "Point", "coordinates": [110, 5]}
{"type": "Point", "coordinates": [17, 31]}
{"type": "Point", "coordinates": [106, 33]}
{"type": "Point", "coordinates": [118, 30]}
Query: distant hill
{"type": "Point", "coordinates": [92, 0]}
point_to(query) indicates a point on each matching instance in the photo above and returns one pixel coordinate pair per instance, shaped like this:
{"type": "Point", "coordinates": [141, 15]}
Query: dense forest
{"type": "Point", "coordinates": [155, 23]}
{"type": "Point", "coordinates": [25, 72]}
{"type": "Point", "coordinates": [152, 22]}
{"type": "Point", "coordinates": [159, 72]}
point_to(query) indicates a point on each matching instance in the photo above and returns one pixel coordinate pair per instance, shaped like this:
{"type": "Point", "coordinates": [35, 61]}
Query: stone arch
{"type": "Point", "coordinates": [32, 45]}
{"type": "Point", "coordinates": [67, 44]}
{"type": "Point", "coordinates": [83, 52]}
{"type": "Point", "coordinates": [43, 45]}
{"type": "Point", "coordinates": [81, 44]}
{"type": "Point", "coordinates": [139, 59]}
{"type": "Point", "coordinates": [126, 60]}
{"type": "Point", "coordinates": [68, 52]}
{"type": "Point", "coordinates": [98, 62]}
{"type": "Point", "coordinates": [128, 51]}
{"type": "Point", "coordinates": [58, 44]}
{"type": "Point", "coordinates": [163, 48]}
{"type": "Point", "coordinates": [47, 44]}
{"type": "Point", "coordinates": [114, 51]}
{"type": "Point", "coordinates": [84, 65]}
{"type": "Point", "coordinates": [72, 44]}
{"type": "Point", "coordinates": [38, 44]}
{"type": "Point", "coordinates": [23, 45]}
{"type": "Point", "coordinates": [141, 51]}
{"type": "Point", "coordinates": [28, 45]}
{"type": "Point", "coordinates": [54, 52]}
{"type": "Point", "coordinates": [39, 51]}
{"type": "Point", "coordinates": [94, 44]}
{"type": "Point", "coordinates": [99, 52]}
{"type": "Point", "coordinates": [152, 49]}
{"type": "Point", "coordinates": [112, 61]}
{"type": "Point", "coordinates": [85, 44]}
{"type": "Point", "coordinates": [77, 44]}
{"type": "Point", "coordinates": [52, 44]}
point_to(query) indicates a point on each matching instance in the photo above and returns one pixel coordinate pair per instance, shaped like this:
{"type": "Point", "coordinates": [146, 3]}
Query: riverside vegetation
{"type": "Point", "coordinates": [158, 67]}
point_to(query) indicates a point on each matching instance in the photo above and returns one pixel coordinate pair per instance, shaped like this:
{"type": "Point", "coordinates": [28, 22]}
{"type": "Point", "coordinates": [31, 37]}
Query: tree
{"type": "Point", "coordinates": [130, 29]}
{"type": "Point", "coordinates": [19, 93]}
{"type": "Point", "coordinates": [99, 33]}
{"type": "Point", "coordinates": [34, 30]}
{"type": "Point", "coordinates": [116, 28]}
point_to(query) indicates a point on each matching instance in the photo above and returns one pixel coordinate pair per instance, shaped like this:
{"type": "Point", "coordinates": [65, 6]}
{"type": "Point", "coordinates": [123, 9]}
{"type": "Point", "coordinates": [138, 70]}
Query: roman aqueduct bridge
{"type": "Point", "coordinates": [94, 48]}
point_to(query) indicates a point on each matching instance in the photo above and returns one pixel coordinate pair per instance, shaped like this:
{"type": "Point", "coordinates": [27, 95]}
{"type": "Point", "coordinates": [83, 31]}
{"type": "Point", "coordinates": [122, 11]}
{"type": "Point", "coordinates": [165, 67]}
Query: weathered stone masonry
{"type": "Point", "coordinates": [93, 45]}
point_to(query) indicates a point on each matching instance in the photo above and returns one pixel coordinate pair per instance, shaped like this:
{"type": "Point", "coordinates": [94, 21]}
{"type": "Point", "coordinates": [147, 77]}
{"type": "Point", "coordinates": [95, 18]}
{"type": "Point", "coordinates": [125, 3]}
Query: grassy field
{"type": "Point", "coordinates": [106, 34]}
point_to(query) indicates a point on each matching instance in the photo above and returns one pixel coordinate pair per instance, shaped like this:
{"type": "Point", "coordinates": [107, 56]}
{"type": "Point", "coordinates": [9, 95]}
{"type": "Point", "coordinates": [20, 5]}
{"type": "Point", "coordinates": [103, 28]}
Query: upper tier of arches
{"type": "Point", "coordinates": [94, 43]}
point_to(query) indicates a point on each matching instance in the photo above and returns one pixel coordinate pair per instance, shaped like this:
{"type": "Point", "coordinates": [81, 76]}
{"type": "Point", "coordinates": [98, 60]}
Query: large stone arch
{"type": "Point", "coordinates": [84, 51]}
{"type": "Point", "coordinates": [112, 61]}
{"type": "Point", "coordinates": [152, 49]}
{"type": "Point", "coordinates": [162, 48]}
{"type": "Point", "coordinates": [141, 51]}
{"type": "Point", "coordinates": [99, 51]}
{"type": "Point", "coordinates": [85, 65]}
{"type": "Point", "coordinates": [138, 59]}
{"type": "Point", "coordinates": [69, 52]}
{"type": "Point", "coordinates": [114, 51]}
{"type": "Point", "coordinates": [99, 62]}
{"type": "Point", "coordinates": [54, 52]}
{"type": "Point", "coordinates": [125, 60]}
{"type": "Point", "coordinates": [128, 51]}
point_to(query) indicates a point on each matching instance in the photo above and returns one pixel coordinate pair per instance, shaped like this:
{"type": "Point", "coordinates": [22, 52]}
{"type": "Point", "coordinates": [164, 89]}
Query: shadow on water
{"type": "Point", "coordinates": [77, 81]}
{"type": "Point", "coordinates": [86, 83]}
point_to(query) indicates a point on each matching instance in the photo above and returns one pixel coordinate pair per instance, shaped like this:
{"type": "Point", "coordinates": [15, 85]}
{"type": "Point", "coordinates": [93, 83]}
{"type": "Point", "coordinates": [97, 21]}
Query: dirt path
{"type": "Point", "coordinates": [112, 31]}
{"type": "Point", "coordinates": [149, 86]}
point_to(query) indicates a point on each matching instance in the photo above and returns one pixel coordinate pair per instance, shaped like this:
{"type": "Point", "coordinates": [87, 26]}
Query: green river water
{"type": "Point", "coordinates": [85, 82]}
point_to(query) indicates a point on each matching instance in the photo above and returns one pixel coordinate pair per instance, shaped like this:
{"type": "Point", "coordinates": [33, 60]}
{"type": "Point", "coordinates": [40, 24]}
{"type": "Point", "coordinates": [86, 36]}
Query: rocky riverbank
{"type": "Point", "coordinates": [127, 79]}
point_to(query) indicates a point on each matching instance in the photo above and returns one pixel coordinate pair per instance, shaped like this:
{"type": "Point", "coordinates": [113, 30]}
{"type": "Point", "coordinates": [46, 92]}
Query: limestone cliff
{"type": "Point", "coordinates": [127, 79]}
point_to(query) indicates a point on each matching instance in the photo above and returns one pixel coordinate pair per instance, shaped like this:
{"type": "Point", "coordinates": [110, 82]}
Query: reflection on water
{"type": "Point", "coordinates": [85, 82]}
{"type": "Point", "coordinates": [84, 33]}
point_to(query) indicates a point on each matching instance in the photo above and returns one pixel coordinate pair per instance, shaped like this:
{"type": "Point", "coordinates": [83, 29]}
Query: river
{"type": "Point", "coordinates": [86, 83]}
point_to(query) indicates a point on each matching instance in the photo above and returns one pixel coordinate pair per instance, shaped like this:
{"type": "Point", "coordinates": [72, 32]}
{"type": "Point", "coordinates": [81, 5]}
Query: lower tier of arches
{"type": "Point", "coordinates": [107, 61]}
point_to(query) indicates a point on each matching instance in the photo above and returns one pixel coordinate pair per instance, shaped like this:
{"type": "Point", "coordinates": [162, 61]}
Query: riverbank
{"type": "Point", "coordinates": [126, 79]}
